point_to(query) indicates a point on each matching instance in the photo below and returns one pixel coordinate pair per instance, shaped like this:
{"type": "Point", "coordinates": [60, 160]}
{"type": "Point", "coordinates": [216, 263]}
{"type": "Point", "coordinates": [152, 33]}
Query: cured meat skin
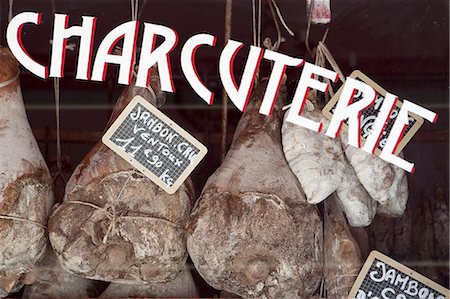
{"type": "Point", "coordinates": [126, 229]}
{"type": "Point", "coordinates": [342, 255]}
{"type": "Point", "coordinates": [316, 159]}
{"type": "Point", "coordinates": [252, 232]}
{"type": "Point", "coordinates": [321, 167]}
{"type": "Point", "coordinates": [25, 184]}
{"type": "Point", "coordinates": [376, 175]}
{"type": "Point", "coordinates": [385, 183]}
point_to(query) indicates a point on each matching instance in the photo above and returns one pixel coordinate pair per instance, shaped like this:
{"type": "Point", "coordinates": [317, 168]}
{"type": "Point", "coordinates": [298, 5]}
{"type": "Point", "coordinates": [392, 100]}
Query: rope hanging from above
{"type": "Point", "coordinates": [10, 10]}
{"type": "Point", "coordinates": [57, 95]}
{"type": "Point", "coordinates": [224, 112]}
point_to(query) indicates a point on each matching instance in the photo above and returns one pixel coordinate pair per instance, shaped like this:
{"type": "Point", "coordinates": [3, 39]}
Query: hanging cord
{"type": "Point", "coordinates": [308, 28]}
{"type": "Point", "coordinates": [259, 21]}
{"type": "Point", "coordinates": [276, 15]}
{"type": "Point", "coordinates": [60, 172]}
{"type": "Point", "coordinates": [280, 16]}
{"type": "Point", "coordinates": [57, 94]}
{"type": "Point", "coordinates": [10, 10]}
{"type": "Point", "coordinates": [256, 32]}
{"type": "Point", "coordinates": [134, 9]}
{"type": "Point", "coordinates": [331, 60]}
{"type": "Point", "coordinates": [141, 10]}
{"type": "Point", "coordinates": [280, 39]}
{"type": "Point", "coordinates": [254, 22]}
{"type": "Point", "coordinates": [319, 60]}
{"type": "Point", "coordinates": [224, 118]}
{"type": "Point", "coordinates": [136, 14]}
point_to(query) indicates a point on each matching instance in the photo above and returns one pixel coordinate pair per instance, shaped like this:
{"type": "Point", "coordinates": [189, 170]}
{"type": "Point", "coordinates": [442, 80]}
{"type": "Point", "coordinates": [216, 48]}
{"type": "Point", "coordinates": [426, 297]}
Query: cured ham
{"type": "Point", "coordinates": [321, 167]}
{"type": "Point", "coordinates": [252, 232]}
{"type": "Point", "coordinates": [26, 195]}
{"type": "Point", "coordinates": [117, 225]}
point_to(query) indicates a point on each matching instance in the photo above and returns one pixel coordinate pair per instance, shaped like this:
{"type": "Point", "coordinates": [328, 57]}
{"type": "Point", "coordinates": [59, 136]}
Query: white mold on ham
{"type": "Point", "coordinates": [25, 184]}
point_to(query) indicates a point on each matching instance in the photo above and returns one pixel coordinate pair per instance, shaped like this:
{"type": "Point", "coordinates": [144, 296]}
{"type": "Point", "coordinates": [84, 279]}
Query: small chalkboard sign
{"type": "Point", "coordinates": [369, 115]}
{"type": "Point", "coordinates": [382, 277]}
{"type": "Point", "coordinates": [154, 144]}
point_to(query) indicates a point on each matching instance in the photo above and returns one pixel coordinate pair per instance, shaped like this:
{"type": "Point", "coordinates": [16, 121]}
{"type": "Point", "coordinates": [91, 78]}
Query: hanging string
{"type": "Point", "coordinates": [136, 14]}
{"type": "Point", "coordinates": [280, 16]}
{"type": "Point", "coordinates": [57, 95]}
{"type": "Point", "coordinates": [259, 22]}
{"type": "Point", "coordinates": [141, 10]}
{"type": "Point", "coordinates": [224, 114]}
{"type": "Point", "coordinates": [308, 48]}
{"type": "Point", "coordinates": [134, 9]}
{"type": "Point", "coordinates": [331, 60]}
{"type": "Point", "coordinates": [60, 172]}
{"type": "Point", "coordinates": [10, 10]}
{"type": "Point", "coordinates": [256, 30]}
{"type": "Point", "coordinates": [134, 4]}
{"type": "Point", "coordinates": [275, 46]}
{"type": "Point", "coordinates": [254, 22]}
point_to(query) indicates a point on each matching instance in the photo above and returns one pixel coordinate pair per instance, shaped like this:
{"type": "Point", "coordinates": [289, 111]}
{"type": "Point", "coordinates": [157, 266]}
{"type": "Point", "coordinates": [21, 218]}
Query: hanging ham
{"type": "Point", "coordinates": [342, 255]}
{"type": "Point", "coordinates": [252, 232]}
{"type": "Point", "coordinates": [321, 167]}
{"type": "Point", "coordinates": [26, 195]}
{"type": "Point", "coordinates": [117, 225]}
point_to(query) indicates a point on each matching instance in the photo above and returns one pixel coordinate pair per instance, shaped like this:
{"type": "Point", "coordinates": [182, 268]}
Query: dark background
{"type": "Point", "coordinates": [402, 45]}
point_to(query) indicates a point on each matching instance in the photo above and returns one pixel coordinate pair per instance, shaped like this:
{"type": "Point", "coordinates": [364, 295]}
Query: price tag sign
{"type": "Point", "coordinates": [154, 144]}
{"type": "Point", "coordinates": [382, 277]}
{"type": "Point", "coordinates": [369, 115]}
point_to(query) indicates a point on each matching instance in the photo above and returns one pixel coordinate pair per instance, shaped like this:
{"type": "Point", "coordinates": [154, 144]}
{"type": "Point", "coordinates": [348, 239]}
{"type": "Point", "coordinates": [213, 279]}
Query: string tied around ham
{"type": "Point", "coordinates": [109, 211]}
{"type": "Point", "coordinates": [111, 214]}
{"type": "Point", "coordinates": [16, 218]}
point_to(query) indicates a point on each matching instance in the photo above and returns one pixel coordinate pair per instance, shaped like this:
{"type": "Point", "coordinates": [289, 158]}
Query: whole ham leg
{"type": "Point", "coordinates": [148, 249]}
{"type": "Point", "coordinates": [26, 194]}
{"type": "Point", "coordinates": [252, 232]}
